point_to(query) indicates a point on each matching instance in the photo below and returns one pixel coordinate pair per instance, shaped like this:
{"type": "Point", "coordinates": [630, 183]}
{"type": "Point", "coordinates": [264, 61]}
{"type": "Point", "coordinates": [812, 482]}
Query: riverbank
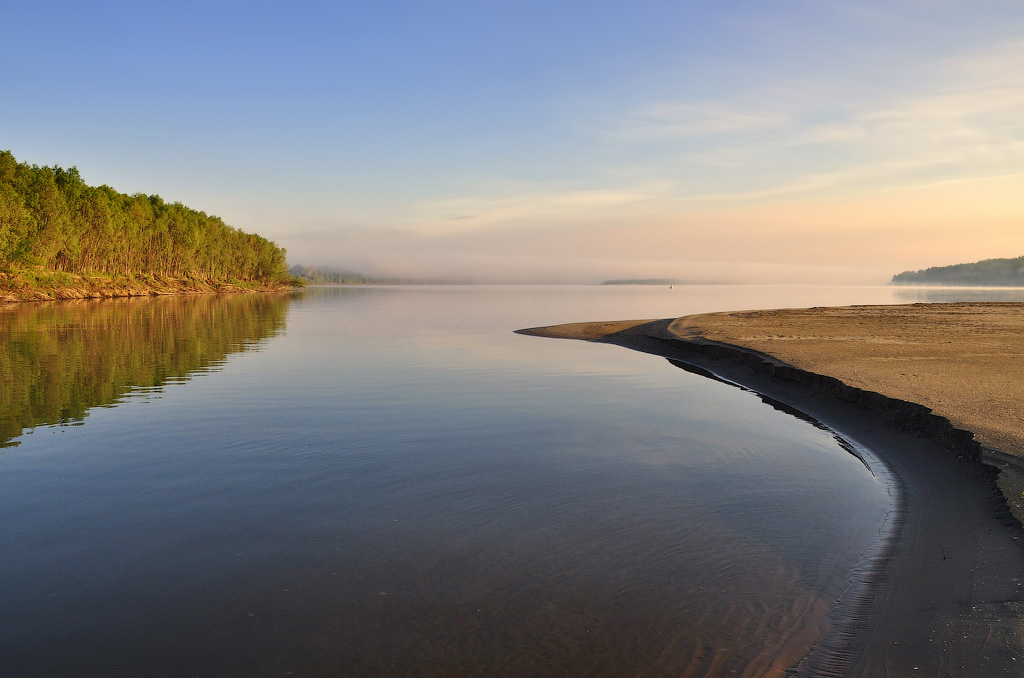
{"type": "Point", "coordinates": [29, 285]}
{"type": "Point", "coordinates": [962, 363]}
{"type": "Point", "coordinates": [946, 599]}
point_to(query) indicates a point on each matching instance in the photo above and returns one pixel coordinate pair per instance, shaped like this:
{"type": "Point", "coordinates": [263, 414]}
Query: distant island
{"type": "Point", "coordinates": [61, 238]}
{"type": "Point", "coordinates": [644, 281]}
{"type": "Point", "coordinates": [987, 273]}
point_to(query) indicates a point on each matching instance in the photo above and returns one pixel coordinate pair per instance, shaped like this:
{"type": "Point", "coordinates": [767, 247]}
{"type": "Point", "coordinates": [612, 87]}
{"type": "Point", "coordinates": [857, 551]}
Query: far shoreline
{"type": "Point", "coordinates": [947, 599]}
{"type": "Point", "coordinates": [17, 288]}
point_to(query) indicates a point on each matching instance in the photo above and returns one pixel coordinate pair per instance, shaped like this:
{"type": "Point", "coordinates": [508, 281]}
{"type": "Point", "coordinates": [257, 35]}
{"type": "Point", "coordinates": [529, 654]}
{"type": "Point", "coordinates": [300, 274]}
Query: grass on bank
{"type": "Point", "coordinates": [34, 283]}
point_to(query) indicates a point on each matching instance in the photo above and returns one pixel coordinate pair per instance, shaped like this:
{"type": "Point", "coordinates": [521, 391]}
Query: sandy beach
{"type": "Point", "coordinates": [910, 383]}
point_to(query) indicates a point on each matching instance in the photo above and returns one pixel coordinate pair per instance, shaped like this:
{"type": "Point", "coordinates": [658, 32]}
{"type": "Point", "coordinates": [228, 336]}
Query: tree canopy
{"type": "Point", "coordinates": [990, 272]}
{"type": "Point", "coordinates": [50, 218]}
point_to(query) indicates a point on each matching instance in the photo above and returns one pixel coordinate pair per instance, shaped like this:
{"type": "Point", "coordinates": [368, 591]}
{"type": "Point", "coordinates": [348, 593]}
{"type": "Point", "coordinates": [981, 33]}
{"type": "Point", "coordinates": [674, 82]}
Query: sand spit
{"type": "Point", "coordinates": [948, 600]}
{"type": "Point", "coordinates": [964, 361]}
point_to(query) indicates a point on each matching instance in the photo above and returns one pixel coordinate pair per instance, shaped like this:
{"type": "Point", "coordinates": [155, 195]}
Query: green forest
{"type": "Point", "coordinates": [51, 220]}
{"type": "Point", "coordinates": [987, 273]}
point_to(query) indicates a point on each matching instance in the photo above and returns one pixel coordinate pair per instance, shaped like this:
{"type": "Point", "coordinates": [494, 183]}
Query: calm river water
{"type": "Point", "coordinates": [387, 481]}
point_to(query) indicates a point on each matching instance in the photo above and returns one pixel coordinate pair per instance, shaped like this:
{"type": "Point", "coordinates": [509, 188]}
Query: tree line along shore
{"type": "Point", "coordinates": [987, 273]}
{"type": "Point", "coordinates": [61, 238]}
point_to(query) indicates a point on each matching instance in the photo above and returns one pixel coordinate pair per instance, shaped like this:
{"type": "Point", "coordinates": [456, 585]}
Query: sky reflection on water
{"type": "Point", "coordinates": [396, 484]}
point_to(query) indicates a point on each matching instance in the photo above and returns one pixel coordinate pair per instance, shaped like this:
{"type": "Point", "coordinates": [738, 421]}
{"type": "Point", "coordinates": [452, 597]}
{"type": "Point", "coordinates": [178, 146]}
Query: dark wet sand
{"type": "Point", "coordinates": [965, 361]}
{"type": "Point", "coordinates": [945, 598]}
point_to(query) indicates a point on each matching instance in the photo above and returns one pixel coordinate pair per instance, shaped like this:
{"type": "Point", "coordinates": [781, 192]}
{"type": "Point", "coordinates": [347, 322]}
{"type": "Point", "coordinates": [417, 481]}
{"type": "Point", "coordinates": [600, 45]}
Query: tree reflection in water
{"type": "Point", "coordinates": [60, 359]}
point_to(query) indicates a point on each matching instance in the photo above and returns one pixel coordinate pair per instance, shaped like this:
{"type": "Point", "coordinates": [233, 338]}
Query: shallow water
{"type": "Point", "coordinates": [389, 482]}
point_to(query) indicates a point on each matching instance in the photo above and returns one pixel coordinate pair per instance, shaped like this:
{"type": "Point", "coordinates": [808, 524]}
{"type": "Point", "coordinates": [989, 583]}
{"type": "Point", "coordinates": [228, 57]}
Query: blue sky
{"type": "Point", "coordinates": [557, 141]}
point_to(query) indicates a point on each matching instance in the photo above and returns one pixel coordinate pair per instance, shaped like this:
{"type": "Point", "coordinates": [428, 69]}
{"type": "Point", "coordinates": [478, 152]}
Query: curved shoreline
{"type": "Point", "coordinates": [831, 654]}
{"type": "Point", "coordinates": [947, 599]}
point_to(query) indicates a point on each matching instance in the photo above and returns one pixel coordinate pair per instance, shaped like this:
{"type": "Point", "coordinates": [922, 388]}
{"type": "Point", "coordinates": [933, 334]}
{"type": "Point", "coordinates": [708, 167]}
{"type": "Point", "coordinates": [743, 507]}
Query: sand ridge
{"type": "Point", "coordinates": [948, 600]}
{"type": "Point", "coordinates": [965, 361]}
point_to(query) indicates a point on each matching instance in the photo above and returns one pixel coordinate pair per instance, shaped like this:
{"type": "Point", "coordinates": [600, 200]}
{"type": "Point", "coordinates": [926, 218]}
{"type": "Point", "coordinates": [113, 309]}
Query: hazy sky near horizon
{"type": "Point", "coordinates": [787, 141]}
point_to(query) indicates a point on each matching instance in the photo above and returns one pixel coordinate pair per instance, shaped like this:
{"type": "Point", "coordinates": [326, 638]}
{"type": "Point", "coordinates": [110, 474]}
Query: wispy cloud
{"type": "Point", "coordinates": [964, 117]}
{"type": "Point", "coordinates": [531, 207]}
{"type": "Point", "coordinates": [666, 121]}
{"type": "Point", "coordinates": [809, 176]}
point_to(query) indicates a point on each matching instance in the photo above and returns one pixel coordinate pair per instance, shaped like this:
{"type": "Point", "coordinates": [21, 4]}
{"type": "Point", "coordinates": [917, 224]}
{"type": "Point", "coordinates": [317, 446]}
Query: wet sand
{"type": "Point", "coordinates": [946, 596]}
{"type": "Point", "coordinates": [964, 361]}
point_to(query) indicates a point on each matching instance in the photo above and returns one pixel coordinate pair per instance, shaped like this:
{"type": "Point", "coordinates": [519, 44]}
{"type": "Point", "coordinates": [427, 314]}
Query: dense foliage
{"type": "Point", "coordinates": [987, 273]}
{"type": "Point", "coordinates": [50, 218]}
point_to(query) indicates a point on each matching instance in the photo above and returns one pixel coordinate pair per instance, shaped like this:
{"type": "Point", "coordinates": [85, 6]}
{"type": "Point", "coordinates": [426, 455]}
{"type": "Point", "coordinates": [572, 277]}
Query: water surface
{"type": "Point", "coordinates": [389, 482]}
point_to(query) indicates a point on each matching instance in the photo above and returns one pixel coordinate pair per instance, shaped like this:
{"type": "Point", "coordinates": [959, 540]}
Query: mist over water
{"type": "Point", "coordinates": [389, 482]}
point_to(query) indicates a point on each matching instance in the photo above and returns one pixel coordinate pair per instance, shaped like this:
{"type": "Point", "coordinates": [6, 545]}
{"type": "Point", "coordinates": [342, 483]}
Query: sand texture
{"type": "Point", "coordinates": [963, 361]}
{"type": "Point", "coordinates": [946, 599]}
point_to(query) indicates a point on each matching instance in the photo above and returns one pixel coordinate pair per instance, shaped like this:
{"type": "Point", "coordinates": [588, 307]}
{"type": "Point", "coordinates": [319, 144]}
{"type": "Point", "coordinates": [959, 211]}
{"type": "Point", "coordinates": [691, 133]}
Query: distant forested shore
{"type": "Point", "coordinates": [61, 238]}
{"type": "Point", "coordinates": [987, 273]}
{"type": "Point", "coordinates": [327, 276]}
{"type": "Point", "coordinates": [644, 281]}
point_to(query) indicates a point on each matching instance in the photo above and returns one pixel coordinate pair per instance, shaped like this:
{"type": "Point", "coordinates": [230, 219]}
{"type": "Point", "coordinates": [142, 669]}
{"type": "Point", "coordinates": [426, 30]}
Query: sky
{"type": "Point", "coordinates": [784, 141]}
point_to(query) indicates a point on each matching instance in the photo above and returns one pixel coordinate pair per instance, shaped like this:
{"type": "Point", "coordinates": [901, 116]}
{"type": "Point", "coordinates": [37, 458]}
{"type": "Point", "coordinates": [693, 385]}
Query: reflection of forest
{"type": "Point", "coordinates": [59, 359]}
